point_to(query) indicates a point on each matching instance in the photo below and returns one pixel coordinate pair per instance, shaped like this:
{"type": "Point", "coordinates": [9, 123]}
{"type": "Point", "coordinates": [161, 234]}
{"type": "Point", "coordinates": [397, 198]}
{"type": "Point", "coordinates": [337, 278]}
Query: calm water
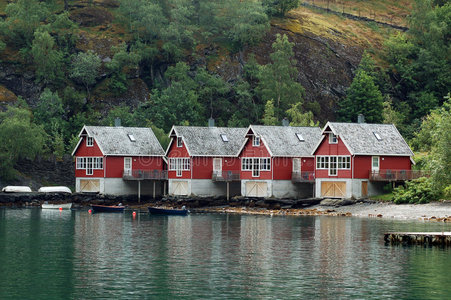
{"type": "Point", "coordinates": [76, 255]}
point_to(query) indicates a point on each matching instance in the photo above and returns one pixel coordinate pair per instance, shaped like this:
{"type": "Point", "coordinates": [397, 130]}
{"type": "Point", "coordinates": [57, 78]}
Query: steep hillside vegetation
{"type": "Point", "coordinates": [164, 62]}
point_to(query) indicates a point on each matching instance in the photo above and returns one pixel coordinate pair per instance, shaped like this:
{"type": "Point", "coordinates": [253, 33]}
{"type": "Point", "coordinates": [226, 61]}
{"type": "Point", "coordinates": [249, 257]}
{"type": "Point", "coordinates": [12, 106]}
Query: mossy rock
{"type": "Point", "coordinates": [91, 16]}
{"type": "Point", "coordinates": [6, 95]}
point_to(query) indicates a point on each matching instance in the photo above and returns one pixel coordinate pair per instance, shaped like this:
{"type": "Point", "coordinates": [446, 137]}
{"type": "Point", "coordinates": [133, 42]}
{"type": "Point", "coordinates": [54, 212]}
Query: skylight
{"type": "Point", "coordinates": [131, 137]}
{"type": "Point", "coordinates": [224, 138]}
{"type": "Point", "coordinates": [300, 137]}
{"type": "Point", "coordinates": [378, 137]}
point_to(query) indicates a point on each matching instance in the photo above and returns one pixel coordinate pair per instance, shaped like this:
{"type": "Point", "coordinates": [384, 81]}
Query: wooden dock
{"type": "Point", "coordinates": [419, 238]}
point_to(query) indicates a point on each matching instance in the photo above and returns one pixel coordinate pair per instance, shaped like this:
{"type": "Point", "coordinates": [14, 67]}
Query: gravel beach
{"type": "Point", "coordinates": [430, 211]}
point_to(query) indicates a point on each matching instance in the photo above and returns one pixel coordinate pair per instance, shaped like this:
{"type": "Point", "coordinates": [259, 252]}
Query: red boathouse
{"type": "Point", "coordinates": [277, 161]}
{"type": "Point", "coordinates": [358, 159]}
{"type": "Point", "coordinates": [203, 161]}
{"type": "Point", "coordinates": [119, 161]}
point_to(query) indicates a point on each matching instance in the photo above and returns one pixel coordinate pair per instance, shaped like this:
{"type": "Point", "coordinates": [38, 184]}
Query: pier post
{"type": "Point", "coordinates": [139, 191]}
{"type": "Point", "coordinates": [154, 189]}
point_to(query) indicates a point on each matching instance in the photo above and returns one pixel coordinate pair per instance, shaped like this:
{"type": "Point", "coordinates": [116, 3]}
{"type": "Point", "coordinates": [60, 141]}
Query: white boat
{"type": "Point", "coordinates": [16, 189]}
{"type": "Point", "coordinates": [55, 189]}
{"type": "Point", "coordinates": [56, 206]}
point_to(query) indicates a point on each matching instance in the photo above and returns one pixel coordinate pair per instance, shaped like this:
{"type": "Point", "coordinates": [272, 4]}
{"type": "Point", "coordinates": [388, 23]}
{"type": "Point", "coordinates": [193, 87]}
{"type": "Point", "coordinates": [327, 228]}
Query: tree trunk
{"type": "Point", "coordinates": [66, 5]}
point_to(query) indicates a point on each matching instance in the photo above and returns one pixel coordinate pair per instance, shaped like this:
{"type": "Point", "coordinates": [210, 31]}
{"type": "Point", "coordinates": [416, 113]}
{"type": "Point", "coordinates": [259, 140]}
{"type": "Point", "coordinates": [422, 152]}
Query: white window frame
{"type": "Point", "coordinates": [255, 141]}
{"type": "Point", "coordinates": [82, 163]}
{"type": "Point", "coordinates": [322, 162]}
{"type": "Point", "coordinates": [333, 166]}
{"type": "Point", "coordinates": [179, 142]}
{"type": "Point", "coordinates": [89, 141]}
{"type": "Point", "coordinates": [256, 165]}
{"type": "Point", "coordinates": [179, 164]}
{"type": "Point", "coordinates": [333, 139]}
{"type": "Point", "coordinates": [344, 163]}
{"type": "Point", "coordinates": [89, 165]}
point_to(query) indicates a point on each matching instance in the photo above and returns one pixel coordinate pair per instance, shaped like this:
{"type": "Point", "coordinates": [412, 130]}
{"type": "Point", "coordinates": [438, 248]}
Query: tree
{"type": "Point", "coordinates": [85, 68]}
{"type": "Point", "coordinates": [363, 97]}
{"type": "Point", "coordinates": [435, 137]}
{"type": "Point", "coordinates": [278, 79]}
{"type": "Point", "coordinates": [23, 18]}
{"type": "Point", "coordinates": [280, 7]}
{"type": "Point", "coordinates": [268, 116]}
{"type": "Point", "coordinates": [48, 60]}
{"type": "Point", "coordinates": [20, 137]}
{"type": "Point", "coordinates": [298, 117]}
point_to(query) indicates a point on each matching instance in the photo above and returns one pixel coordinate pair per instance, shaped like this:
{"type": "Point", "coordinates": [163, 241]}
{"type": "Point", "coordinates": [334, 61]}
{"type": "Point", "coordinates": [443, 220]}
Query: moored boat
{"type": "Point", "coordinates": [55, 189]}
{"type": "Point", "coordinates": [47, 205]}
{"type": "Point", "coordinates": [167, 211]}
{"type": "Point", "coordinates": [107, 208]}
{"type": "Point", "coordinates": [16, 189]}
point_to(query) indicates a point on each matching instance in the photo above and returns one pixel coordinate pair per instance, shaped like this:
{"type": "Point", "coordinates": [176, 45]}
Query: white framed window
{"type": "Point", "coordinates": [89, 165]}
{"type": "Point", "coordinates": [256, 164]}
{"type": "Point", "coordinates": [333, 139]}
{"type": "Point", "coordinates": [333, 166]}
{"type": "Point", "coordinates": [92, 163]}
{"type": "Point", "coordinates": [179, 141]}
{"type": "Point", "coordinates": [300, 137]}
{"type": "Point", "coordinates": [322, 162]}
{"type": "Point", "coordinates": [255, 141]}
{"type": "Point", "coordinates": [89, 141]}
{"type": "Point", "coordinates": [344, 162]}
{"type": "Point", "coordinates": [179, 164]}
{"type": "Point", "coordinates": [217, 164]}
{"type": "Point", "coordinates": [131, 137]}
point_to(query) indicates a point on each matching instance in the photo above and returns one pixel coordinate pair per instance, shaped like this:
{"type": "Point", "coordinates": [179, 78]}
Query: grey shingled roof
{"type": "Point", "coordinates": [360, 138]}
{"type": "Point", "coordinates": [207, 141]}
{"type": "Point", "coordinates": [283, 142]}
{"type": "Point", "coordinates": [115, 140]}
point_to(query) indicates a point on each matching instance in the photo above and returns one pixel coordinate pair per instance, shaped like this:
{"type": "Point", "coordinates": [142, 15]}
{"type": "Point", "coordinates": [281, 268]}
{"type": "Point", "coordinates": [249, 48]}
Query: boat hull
{"type": "Point", "coordinates": [163, 211]}
{"type": "Point", "coordinates": [56, 206]}
{"type": "Point", "coordinates": [107, 208]}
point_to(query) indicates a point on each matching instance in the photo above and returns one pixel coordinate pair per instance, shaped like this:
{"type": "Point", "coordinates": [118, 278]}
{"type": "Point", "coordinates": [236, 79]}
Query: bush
{"type": "Point", "coordinates": [416, 191]}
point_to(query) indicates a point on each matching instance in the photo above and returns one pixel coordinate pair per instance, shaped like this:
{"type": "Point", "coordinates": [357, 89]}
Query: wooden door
{"type": "Point", "coordinates": [128, 166]}
{"type": "Point", "coordinates": [89, 185]}
{"type": "Point", "coordinates": [334, 189]}
{"type": "Point", "coordinates": [296, 165]}
{"type": "Point", "coordinates": [364, 188]}
{"type": "Point", "coordinates": [256, 189]}
{"type": "Point", "coordinates": [180, 188]}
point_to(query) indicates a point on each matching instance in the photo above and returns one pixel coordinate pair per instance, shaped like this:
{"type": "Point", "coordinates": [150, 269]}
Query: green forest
{"type": "Point", "coordinates": [189, 60]}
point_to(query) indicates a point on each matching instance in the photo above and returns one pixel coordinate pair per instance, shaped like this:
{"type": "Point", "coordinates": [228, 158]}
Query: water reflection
{"type": "Point", "coordinates": [78, 255]}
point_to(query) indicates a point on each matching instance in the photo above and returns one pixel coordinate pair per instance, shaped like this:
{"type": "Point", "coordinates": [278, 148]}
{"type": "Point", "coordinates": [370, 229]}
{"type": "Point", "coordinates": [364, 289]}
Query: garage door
{"type": "Point", "coordinates": [336, 189]}
{"type": "Point", "coordinates": [89, 185]}
{"type": "Point", "coordinates": [256, 189]}
{"type": "Point", "coordinates": [179, 187]}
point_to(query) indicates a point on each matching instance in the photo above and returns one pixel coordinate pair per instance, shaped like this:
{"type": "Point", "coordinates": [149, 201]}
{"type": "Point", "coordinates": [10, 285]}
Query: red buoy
{"type": "Point", "coordinates": [90, 211]}
{"type": "Point", "coordinates": [60, 208]}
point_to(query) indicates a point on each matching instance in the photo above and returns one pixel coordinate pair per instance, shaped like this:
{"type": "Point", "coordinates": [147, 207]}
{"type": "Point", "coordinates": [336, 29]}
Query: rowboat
{"type": "Point", "coordinates": [47, 205]}
{"type": "Point", "coordinates": [55, 189]}
{"type": "Point", "coordinates": [168, 211]}
{"type": "Point", "coordinates": [16, 189]}
{"type": "Point", "coordinates": [107, 208]}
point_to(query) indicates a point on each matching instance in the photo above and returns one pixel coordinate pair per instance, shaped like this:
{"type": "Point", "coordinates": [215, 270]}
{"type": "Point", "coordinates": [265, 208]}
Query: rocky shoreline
{"type": "Point", "coordinates": [436, 211]}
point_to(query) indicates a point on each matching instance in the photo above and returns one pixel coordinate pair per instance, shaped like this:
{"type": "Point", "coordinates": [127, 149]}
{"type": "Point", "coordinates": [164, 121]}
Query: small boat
{"type": "Point", "coordinates": [55, 189]}
{"type": "Point", "coordinates": [168, 211]}
{"type": "Point", "coordinates": [16, 189]}
{"type": "Point", "coordinates": [47, 205]}
{"type": "Point", "coordinates": [107, 208]}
